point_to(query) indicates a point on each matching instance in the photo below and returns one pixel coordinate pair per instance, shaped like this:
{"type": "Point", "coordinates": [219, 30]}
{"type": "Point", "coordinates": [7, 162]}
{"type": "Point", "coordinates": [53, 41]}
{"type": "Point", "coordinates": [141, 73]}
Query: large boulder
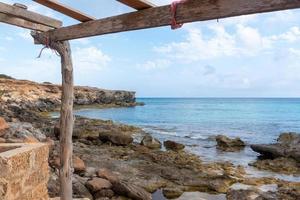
{"type": "Point", "coordinates": [288, 145]}
{"type": "Point", "coordinates": [131, 190]}
{"type": "Point", "coordinates": [23, 131]}
{"type": "Point", "coordinates": [150, 142]}
{"type": "Point", "coordinates": [97, 184]}
{"type": "Point", "coordinates": [108, 175]}
{"type": "Point", "coordinates": [117, 138]}
{"type": "Point", "coordinates": [104, 193]}
{"type": "Point", "coordinates": [225, 143]}
{"type": "Point", "coordinates": [78, 164]}
{"type": "Point", "coordinates": [171, 145]}
{"type": "Point", "coordinates": [290, 138]}
{"type": "Point", "coordinates": [172, 193]}
{"type": "Point", "coordinates": [79, 188]}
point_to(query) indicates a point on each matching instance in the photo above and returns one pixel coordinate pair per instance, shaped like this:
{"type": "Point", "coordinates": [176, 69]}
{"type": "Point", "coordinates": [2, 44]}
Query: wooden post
{"type": "Point", "coordinates": [66, 123]}
{"type": "Point", "coordinates": [66, 113]}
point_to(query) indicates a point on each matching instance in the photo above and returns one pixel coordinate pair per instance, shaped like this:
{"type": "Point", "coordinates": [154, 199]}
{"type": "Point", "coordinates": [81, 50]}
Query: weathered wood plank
{"type": "Point", "coordinates": [66, 10]}
{"type": "Point", "coordinates": [23, 23]}
{"type": "Point", "coordinates": [66, 114]}
{"type": "Point", "coordinates": [66, 123]}
{"type": "Point", "coordinates": [138, 4]}
{"type": "Point", "coordinates": [29, 16]}
{"type": "Point", "coordinates": [193, 10]}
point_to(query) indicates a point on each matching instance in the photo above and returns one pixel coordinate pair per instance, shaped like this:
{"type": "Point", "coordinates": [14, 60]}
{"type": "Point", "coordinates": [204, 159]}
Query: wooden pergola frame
{"type": "Point", "coordinates": [48, 31]}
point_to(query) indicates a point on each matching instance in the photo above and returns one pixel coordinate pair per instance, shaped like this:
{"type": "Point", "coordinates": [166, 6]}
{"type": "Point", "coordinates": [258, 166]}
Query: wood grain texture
{"type": "Point", "coordinates": [138, 4]}
{"type": "Point", "coordinates": [66, 10]}
{"type": "Point", "coordinates": [29, 16]}
{"type": "Point", "coordinates": [66, 114]}
{"type": "Point", "coordinates": [23, 23]}
{"type": "Point", "coordinates": [191, 11]}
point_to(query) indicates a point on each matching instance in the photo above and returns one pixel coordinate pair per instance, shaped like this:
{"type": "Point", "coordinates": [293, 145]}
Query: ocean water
{"type": "Point", "coordinates": [196, 121]}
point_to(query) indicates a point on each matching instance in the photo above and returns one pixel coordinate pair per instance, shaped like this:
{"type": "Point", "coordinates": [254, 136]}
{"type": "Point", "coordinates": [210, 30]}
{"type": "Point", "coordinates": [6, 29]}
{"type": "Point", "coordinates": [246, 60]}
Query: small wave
{"type": "Point", "coordinates": [161, 131]}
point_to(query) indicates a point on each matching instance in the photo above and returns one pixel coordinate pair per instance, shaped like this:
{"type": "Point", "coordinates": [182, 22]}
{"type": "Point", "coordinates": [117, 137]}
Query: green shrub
{"type": "Point", "coordinates": [5, 76]}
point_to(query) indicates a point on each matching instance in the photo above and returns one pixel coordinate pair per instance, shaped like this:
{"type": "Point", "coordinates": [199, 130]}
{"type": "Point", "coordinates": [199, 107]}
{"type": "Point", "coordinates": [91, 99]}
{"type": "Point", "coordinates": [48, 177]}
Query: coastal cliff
{"type": "Point", "coordinates": [46, 96]}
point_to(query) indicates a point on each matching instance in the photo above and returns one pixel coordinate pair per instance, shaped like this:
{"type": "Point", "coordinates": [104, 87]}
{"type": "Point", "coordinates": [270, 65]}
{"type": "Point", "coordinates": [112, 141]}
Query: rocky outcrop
{"type": "Point", "coordinates": [174, 146]}
{"type": "Point", "coordinates": [108, 175]}
{"type": "Point", "coordinates": [97, 184]}
{"type": "Point", "coordinates": [91, 131]}
{"type": "Point", "coordinates": [150, 142]}
{"type": "Point", "coordinates": [117, 138]}
{"type": "Point", "coordinates": [131, 190]}
{"type": "Point", "coordinates": [46, 97]}
{"type": "Point", "coordinates": [280, 191]}
{"type": "Point", "coordinates": [172, 193]}
{"type": "Point", "coordinates": [225, 143]}
{"type": "Point", "coordinates": [280, 165]}
{"type": "Point", "coordinates": [281, 157]}
{"type": "Point", "coordinates": [19, 132]}
{"type": "Point", "coordinates": [288, 145]}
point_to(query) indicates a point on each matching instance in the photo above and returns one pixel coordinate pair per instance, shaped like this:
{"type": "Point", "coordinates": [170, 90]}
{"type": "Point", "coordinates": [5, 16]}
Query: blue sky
{"type": "Point", "coordinates": [248, 56]}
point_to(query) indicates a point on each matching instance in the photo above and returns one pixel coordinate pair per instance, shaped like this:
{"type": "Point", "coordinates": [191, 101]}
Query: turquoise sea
{"type": "Point", "coordinates": [195, 121]}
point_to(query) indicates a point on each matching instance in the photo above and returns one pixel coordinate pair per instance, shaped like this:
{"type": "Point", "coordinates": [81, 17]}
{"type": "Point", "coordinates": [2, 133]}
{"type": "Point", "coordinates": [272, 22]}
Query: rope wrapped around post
{"type": "Point", "coordinates": [174, 23]}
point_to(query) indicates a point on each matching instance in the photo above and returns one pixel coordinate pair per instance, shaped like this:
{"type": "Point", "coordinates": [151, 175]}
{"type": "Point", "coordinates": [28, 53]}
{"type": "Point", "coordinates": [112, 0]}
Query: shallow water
{"type": "Point", "coordinates": [195, 122]}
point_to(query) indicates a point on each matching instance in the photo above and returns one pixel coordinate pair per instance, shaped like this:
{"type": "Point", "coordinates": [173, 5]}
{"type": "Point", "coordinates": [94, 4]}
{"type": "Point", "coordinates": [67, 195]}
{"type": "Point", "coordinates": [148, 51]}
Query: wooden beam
{"type": "Point", "coordinates": [138, 4]}
{"type": "Point", "coordinates": [66, 10]}
{"type": "Point", "coordinates": [29, 16]}
{"type": "Point", "coordinates": [23, 23]}
{"type": "Point", "coordinates": [192, 10]}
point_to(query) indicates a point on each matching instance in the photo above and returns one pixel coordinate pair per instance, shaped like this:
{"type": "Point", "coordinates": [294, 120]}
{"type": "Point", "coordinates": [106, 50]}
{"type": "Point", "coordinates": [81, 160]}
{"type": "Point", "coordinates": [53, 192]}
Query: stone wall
{"type": "Point", "coordinates": [24, 171]}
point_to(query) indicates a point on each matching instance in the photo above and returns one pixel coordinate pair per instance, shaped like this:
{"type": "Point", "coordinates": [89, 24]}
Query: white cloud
{"type": "Point", "coordinates": [46, 68]}
{"type": "Point", "coordinates": [295, 52]}
{"type": "Point", "coordinates": [241, 20]}
{"type": "Point", "coordinates": [292, 35]}
{"type": "Point", "coordinates": [282, 17]}
{"type": "Point", "coordinates": [251, 41]}
{"type": "Point", "coordinates": [82, 41]}
{"type": "Point", "coordinates": [90, 58]}
{"type": "Point", "coordinates": [25, 34]}
{"type": "Point", "coordinates": [196, 47]}
{"type": "Point", "coordinates": [220, 43]}
{"type": "Point", "coordinates": [154, 64]}
{"type": "Point", "coordinates": [42, 10]}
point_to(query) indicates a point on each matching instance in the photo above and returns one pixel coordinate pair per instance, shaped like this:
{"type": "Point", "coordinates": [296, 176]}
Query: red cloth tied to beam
{"type": "Point", "coordinates": [174, 23]}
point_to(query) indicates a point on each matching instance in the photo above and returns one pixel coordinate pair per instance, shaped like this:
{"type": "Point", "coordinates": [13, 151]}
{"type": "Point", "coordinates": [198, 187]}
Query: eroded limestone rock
{"type": "Point", "coordinates": [225, 143]}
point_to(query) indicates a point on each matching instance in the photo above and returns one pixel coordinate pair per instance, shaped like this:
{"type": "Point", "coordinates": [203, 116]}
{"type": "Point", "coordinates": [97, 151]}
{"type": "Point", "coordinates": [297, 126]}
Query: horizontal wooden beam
{"type": "Point", "coordinates": [192, 10]}
{"type": "Point", "coordinates": [138, 4]}
{"type": "Point", "coordinates": [29, 16]}
{"type": "Point", "coordinates": [23, 23]}
{"type": "Point", "coordinates": [66, 10]}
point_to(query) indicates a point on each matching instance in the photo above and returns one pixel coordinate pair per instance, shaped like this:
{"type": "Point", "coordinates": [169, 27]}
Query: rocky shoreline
{"type": "Point", "coordinates": [45, 97]}
{"type": "Point", "coordinates": [116, 161]}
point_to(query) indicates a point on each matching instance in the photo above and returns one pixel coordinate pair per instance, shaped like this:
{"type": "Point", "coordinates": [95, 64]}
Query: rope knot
{"type": "Point", "coordinates": [47, 45]}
